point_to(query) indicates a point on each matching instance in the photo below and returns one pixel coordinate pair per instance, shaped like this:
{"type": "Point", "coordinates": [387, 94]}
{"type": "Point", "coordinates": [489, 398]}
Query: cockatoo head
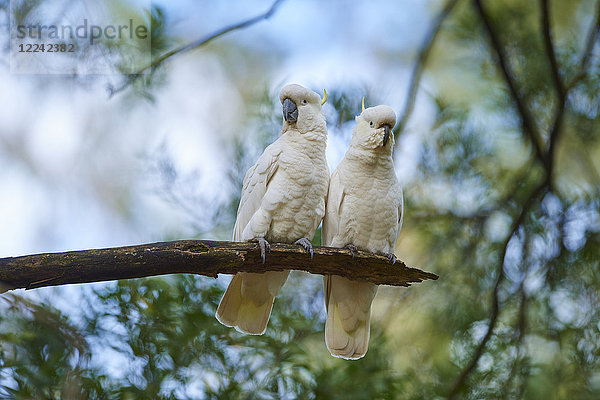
{"type": "Point", "coordinates": [302, 109]}
{"type": "Point", "coordinates": [374, 129]}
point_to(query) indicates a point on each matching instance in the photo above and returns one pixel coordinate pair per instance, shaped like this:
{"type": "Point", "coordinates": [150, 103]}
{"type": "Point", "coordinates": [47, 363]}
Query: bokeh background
{"type": "Point", "coordinates": [497, 147]}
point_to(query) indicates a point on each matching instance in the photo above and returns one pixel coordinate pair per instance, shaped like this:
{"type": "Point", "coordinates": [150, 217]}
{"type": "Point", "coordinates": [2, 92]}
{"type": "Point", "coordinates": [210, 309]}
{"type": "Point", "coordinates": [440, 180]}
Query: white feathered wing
{"type": "Point", "coordinates": [248, 300]}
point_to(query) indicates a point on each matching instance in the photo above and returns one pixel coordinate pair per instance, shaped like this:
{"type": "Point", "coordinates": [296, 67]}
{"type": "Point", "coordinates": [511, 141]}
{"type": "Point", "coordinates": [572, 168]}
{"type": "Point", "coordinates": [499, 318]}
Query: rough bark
{"type": "Point", "coordinates": [201, 257]}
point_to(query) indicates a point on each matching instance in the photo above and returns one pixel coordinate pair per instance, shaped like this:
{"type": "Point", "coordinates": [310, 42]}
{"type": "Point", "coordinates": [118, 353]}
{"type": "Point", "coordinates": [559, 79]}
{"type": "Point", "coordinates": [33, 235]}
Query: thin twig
{"type": "Point", "coordinates": [522, 316]}
{"type": "Point", "coordinates": [420, 64]}
{"type": "Point", "coordinates": [521, 326]}
{"type": "Point", "coordinates": [547, 38]}
{"type": "Point", "coordinates": [527, 119]}
{"type": "Point", "coordinates": [558, 83]}
{"type": "Point", "coordinates": [546, 158]}
{"type": "Point", "coordinates": [195, 44]}
{"type": "Point", "coordinates": [556, 127]}
{"type": "Point", "coordinates": [592, 37]}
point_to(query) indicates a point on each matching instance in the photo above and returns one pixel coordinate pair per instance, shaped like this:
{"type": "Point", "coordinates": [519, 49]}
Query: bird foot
{"type": "Point", "coordinates": [353, 249]}
{"type": "Point", "coordinates": [391, 257]}
{"type": "Point", "coordinates": [304, 242]}
{"type": "Point", "coordinates": [264, 246]}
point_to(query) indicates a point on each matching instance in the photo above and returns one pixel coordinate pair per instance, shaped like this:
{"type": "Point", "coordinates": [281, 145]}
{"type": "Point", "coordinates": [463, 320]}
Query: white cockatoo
{"type": "Point", "coordinates": [364, 211]}
{"type": "Point", "coordinates": [283, 200]}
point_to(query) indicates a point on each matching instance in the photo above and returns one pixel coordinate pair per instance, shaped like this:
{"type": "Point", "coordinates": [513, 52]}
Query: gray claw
{"type": "Point", "coordinates": [353, 249]}
{"type": "Point", "coordinates": [304, 242]}
{"type": "Point", "coordinates": [391, 257]}
{"type": "Point", "coordinates": [264, 246]}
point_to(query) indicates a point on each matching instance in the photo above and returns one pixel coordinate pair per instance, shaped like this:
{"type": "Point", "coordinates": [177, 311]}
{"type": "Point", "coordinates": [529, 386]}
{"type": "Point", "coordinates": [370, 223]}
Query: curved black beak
{"type": "Point", "coordinates": [290, 111]}
{"type": "Point", "coordinates": [386, 134]}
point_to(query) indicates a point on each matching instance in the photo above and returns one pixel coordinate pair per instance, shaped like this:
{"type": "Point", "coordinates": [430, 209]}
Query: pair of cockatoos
{"type": "Point", "coordinates": [288, 192]}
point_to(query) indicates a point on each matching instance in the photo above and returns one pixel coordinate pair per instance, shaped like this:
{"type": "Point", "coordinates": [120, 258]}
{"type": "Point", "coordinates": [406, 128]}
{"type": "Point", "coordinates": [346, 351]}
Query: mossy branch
{"type": "Point", "coordinates": [202, 257]}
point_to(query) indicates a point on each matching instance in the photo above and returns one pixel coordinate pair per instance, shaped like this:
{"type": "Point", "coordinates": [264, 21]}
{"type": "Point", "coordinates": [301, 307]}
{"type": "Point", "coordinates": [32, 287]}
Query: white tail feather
{"type": "Point", "coordinates": [248, 301]}
{"type": "Point", "coordinates": [347, 327]}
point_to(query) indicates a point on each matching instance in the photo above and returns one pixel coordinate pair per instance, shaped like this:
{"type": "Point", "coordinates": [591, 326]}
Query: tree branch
{"type": "Point", "coordinates": [590, 42]}
{"type": "Point", "coordinates": [547, 159]}
{"type": "Point", "coordinates": [559, 86]}
{"type": "Point", "coordinates": [521, 320]}
{"type": "Point", "coordinates": [194, 45]}
{"type": "Point", "coordinates": [419, 66]}
{"type": "Point", "coordinates": [526, 118]}
{"type": "Point", "coordinates": [458, 384]}
{"type": "Point", "coordinates": [547, 39]}
{"type": "Point", "coordinates": [521, 327]}
{"type": "Point", "coordinates": [563, 92]}
{"type": "Point", "coordinates": [201, 257]}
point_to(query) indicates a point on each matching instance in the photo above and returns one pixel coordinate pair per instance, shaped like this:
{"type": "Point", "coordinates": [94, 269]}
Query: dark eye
{"type": "Point", "coordinates": [371, 123]}
{"type": "Point", "coordinates": [304, 101]}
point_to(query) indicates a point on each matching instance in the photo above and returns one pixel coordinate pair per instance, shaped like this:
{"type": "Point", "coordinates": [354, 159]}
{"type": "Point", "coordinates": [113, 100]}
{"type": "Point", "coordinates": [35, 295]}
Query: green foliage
{"type": "Point", "coordinates": [171, 347]}
{"type": "Point", "coordinates": [41, 353]}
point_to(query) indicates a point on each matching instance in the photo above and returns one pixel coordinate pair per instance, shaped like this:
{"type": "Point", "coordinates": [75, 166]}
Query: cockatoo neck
{"type": "Point", "coordinates": [369, 156]}
{"type": "Point", "coordinates": [312, 139]}
{"type": "Point", "coordinates": [311, 129]}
